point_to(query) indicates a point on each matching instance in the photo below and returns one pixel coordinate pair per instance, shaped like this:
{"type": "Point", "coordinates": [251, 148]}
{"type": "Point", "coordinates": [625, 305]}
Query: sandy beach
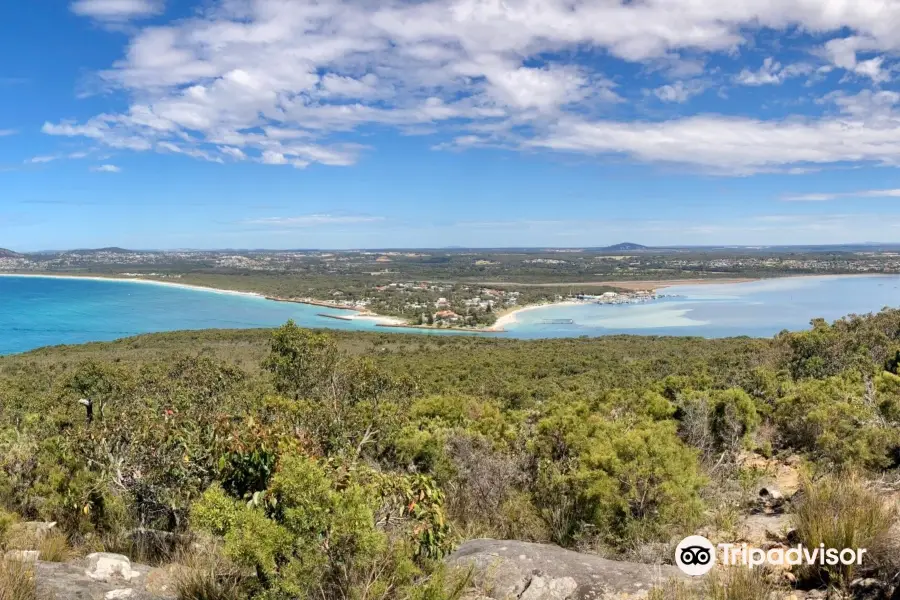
{"type": "Point", "coordinates": [379, 319]}
{"type": "Point", "coordinates": [510, 317]}
{"type": "Point", "coordinates": [137, 280]}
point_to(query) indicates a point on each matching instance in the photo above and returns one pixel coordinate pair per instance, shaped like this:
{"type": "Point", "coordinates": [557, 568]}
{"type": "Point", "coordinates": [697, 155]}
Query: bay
{"type": "Point", "coordinates": [44, 311]}
{"type": "Point", "coordinates": [757, 309]}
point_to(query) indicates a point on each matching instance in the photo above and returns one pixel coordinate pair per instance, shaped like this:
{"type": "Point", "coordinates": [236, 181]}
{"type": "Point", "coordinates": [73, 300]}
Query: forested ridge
{"type": "Point", "coordinates": [347, 465]}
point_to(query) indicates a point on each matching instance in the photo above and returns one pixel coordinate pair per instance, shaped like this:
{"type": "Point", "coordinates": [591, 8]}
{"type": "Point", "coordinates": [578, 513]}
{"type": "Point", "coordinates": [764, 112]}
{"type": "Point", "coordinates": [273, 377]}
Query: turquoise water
{"type": "Point", "coordinates": [757, 309]}
{"type": "Point", "coordinates": [43, 311]}
{"type": "Point", "coordinates": [38, 311]}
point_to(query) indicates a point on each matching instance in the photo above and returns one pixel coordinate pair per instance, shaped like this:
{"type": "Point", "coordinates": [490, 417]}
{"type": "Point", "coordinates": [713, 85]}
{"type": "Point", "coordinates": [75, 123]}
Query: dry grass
{"type": "Point", "coordinates": [207, 576]}
{"type": "Point", "coordinates": [55, 547]}
{"type": "Point", "coordinates": [735, 583]}
{"type": "Point", "coordinates": [841, 512]}
{"type": "Point", "coordinates": [17, 581]}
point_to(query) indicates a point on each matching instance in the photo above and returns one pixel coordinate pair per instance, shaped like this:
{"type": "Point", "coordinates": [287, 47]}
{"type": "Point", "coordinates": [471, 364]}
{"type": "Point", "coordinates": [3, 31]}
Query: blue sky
{"type": "Point", "coordinates": [287, 123]}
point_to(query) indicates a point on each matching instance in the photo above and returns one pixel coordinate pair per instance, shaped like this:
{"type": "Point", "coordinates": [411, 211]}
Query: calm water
{"type": "Point", "coordinates": [758, 309]}
{"type": "Point", "coordinates": [38, 312]}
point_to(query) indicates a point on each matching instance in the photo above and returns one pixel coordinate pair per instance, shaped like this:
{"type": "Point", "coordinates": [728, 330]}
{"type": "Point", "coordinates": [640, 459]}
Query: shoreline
{"type": "Point", "coordinates": [499, 326]}
{"type": "Point", "coordinates": [508, 318]}
{"type": "Point", "coordinates": [362, 313]}
{"type": "Point", "coordinates": [140, 280]}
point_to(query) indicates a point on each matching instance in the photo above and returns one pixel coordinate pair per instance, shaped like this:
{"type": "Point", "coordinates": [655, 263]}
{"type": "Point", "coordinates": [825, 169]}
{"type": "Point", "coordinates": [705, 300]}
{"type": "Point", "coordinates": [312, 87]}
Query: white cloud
{"type": "Point", "coordinates": [37, 160]}
{"type": "Point", "coordinates": [772, 73]}
{"type": "Point", "coordinates": [281, 81]}
{"type": "Point", "coordinates": [889, 193]}
{"type": "Point", "coordinates": [314, 220]}
{"type": "Point", "coordinates": [235, 153]}
{"type": "Point", "coordinates": [273, 158]}
{"type": "Point", "coordinates": [47, 158]}
{"type": "Point", "coordinates": [843, 53]}
{"type": "Point", "coordinates": [680, 91]}
{"type": "Point", "coordinates": [106, 169]}
{"type": "Point", "coordinates": [6, 132]}
{"type": "Point", "coordinates": [730, 145]}
{"type": "Point", "coordinates": [117, 10]}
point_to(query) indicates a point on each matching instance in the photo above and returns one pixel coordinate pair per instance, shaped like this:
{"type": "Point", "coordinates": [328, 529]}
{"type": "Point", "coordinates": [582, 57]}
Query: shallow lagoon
{"type": "Point", "coordinates": [757, 309]}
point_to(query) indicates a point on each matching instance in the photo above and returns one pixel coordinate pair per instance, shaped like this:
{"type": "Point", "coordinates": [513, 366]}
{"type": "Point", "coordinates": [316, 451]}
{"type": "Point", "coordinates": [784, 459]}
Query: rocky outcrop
{"type": "Point", "coordinates": [512, 570]}
{"type": "Point", "coordinates": [102, 576]}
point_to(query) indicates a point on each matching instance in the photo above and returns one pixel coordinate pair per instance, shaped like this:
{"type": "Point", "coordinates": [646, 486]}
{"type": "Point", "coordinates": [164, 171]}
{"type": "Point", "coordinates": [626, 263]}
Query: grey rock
{"type": "Point", "coordinates": [105, 566]}
{"type": "Point", "coordinates": [41, 528]}
{"type": "Point", "coordinates": [22, 555]}
{"type": "Point", "coordinates": [771, 500]}
{"type": "Point", "coordinates": [120, 594]}
{"type": "Point", "coordinates": [757, 529]}
{"type": "Point", "coordinates": [544, 588]}
{"type": "Point", "coordinates": [30, 533]}
{"type": "Point", "coordinates": [771, 493]}
{"type": "Point", "coordinates": [69, 581]}
{"type": "Point", "coordinates": [870, 589]}
{"type": "Point", "coordinates": [508, 570]}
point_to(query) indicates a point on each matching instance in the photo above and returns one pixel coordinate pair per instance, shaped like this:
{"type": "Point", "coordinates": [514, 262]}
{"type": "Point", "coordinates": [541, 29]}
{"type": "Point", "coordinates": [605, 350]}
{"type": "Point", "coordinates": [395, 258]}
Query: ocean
{"type": "Point", "coordinates": [45, 311]}
{"type": "Point", "coordinates": [38, 311]}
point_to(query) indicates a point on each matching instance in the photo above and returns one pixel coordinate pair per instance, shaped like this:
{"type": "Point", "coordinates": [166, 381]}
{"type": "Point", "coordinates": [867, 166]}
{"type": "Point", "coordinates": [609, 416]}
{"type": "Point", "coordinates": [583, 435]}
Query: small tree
{"type": "Point", "coordinates": [302, 362]}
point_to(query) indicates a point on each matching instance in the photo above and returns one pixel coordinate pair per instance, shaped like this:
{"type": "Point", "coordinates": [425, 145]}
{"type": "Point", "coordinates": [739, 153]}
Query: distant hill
{"type": "Point", "coordinates": [624, 247]}
{"type": "Point", "coordinates": [107, 250]}
{"type": "Point", "coordinates": [4, 253]}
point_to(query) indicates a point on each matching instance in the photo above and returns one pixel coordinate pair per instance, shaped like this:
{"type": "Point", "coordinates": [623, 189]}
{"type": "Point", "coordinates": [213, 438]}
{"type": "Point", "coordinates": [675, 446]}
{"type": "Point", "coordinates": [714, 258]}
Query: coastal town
{"type": "Point", "coordinates": [464, 306]}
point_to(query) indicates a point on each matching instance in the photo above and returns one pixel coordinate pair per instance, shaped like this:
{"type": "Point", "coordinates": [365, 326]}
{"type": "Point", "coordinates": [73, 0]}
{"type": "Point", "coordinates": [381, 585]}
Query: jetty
{"type": "Point", "coordinates": [338, 317]}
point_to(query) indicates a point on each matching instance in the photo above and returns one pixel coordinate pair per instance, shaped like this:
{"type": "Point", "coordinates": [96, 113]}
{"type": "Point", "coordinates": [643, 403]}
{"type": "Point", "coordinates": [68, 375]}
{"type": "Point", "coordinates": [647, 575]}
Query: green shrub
{"type": "Point", "coordinates": [631, 479]}
{"type": "Point", "coordinates": [733, 417]}
{"type": "Point", "coordinates": [329, 528]}
{"type": "Point", "coordinates": [887, 386]}
{"type": "Point", "coordinates": [832, 420]}
{"type": "Point", "coordinates": [7, 520]}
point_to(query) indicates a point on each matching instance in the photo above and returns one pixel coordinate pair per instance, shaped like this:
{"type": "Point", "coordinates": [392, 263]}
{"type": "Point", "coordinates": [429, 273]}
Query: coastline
{"type": "Point", "coordinates": [138, 280]}
{"type": "Point", "coordinates": [362, 313]}
{"type": "Point", "coordinates": [508, 317]}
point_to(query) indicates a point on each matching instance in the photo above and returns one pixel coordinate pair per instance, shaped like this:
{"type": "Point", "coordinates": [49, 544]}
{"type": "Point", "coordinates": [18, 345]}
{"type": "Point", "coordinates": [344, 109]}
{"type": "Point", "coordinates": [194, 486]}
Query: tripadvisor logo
{"type": "Point", "coordinates": [695, 555]}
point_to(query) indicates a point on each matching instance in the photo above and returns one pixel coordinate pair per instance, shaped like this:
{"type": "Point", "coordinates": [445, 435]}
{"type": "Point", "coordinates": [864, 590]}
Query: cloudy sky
{"type": "Point", "coordinates": [301, 123]}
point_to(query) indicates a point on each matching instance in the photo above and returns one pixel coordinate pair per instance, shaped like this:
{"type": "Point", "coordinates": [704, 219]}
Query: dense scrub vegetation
{"type": "Point", "coordinates": [347, 465]}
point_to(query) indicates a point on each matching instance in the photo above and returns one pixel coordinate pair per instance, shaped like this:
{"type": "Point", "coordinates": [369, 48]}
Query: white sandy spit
{"type": "Point", "coordinates": [138, 280]}
{"type": "Point", "coordinates": [380, 319]}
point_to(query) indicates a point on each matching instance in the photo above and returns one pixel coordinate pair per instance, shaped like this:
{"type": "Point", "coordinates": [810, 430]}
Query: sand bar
{"type": "Point", "coordinates": [137, 280]}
